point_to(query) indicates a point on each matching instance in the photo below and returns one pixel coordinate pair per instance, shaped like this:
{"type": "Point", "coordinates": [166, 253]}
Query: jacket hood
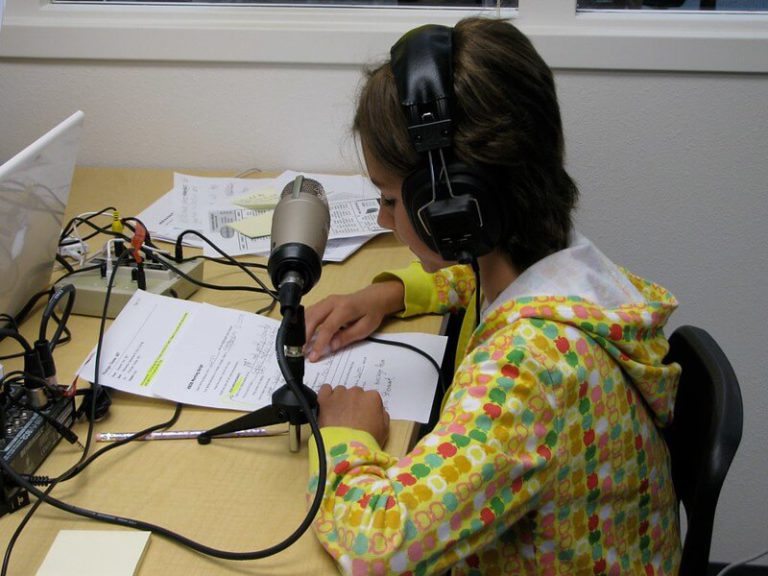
{"type": "Point", "coordinates": [623, 313]}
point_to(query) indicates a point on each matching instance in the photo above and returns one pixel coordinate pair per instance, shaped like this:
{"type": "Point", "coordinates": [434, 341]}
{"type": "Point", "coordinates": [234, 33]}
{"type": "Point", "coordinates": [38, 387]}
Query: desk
{"type": "Point", "coordinates": [235, 494]}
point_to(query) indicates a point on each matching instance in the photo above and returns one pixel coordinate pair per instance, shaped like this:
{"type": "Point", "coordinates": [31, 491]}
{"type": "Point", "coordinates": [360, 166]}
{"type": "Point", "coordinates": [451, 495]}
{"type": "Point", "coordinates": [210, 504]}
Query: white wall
{"type": "Point", "coordinates": [673, 169]}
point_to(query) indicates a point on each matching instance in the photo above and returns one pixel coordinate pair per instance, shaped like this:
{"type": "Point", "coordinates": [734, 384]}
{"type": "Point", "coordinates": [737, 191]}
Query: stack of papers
{"type": "Point", "coordinates": [236, 213]}
{"type": "Point", "coordinates": [206, 355]}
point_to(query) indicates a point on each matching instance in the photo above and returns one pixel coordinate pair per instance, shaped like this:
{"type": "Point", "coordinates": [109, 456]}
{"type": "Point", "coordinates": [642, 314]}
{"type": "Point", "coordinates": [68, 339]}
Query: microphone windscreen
{"type": "Point", "coordinates": [302, 185]}
{"type": "Point", "coordinates": [300, 226]}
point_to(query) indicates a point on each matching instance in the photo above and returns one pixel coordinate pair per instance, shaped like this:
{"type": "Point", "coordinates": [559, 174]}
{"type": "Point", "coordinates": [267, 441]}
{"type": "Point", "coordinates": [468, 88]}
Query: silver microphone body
{"type": "Point", "coordinates": [300, 226]}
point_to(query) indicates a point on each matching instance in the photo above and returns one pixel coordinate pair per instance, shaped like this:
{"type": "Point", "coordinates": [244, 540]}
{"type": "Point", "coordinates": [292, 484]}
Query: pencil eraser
{"type": "Point", "coordinates": [95, 553]}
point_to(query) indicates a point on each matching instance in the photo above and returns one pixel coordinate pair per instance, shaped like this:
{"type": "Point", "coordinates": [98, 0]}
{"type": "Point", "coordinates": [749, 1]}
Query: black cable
{"type": "Point", "coordinates": [67, 335]}
{"type": "Point", "coordinates": [227, 555]}
{"type": "Point", "coordinates": [70, 226]}
{"type": "Point", "coordinates": [80, 466]}
{"type": "Point", "coordinates": [11, 321]}
{"type": "Point", "coordinates": [18, 531]}
{"type": "Point", "coordinates": [413, 348]}
{"type": "Point", "coordinates": [268, 308]}
{"type": "Point", "coordinates": [75, 272]}
{"type": "Point", "coordinates": [6, 333]}
{"type": "Point", "coordinates": [19, 377]}
{"type": "Point", "coordinates": [65, 290]}
{"type": "Point", "coordinates": [74, 471]}
{"type": "Point", "coordinates": [147, 238]}
{"type": "Point", "coordinates": [203, 284]}
{"type": "Point", "coordinates": [61, 428]}
{"type": "Point", "coordinates": [478, 295]}
{"type": "Point", "coordinates": [29, 306]}
{"type": "Point", "coordinates": [20, 481]}
{"type": "Point", "coordinates": [178, 255]}
{"type": "Point", "coordinates": [63, 262]}
{"type": "Point", "coordinates": [158, 257]}
{"type": "Point", "coordinates": [138, 524]}
{"type": "Point", "coordinates": [223, 261]}
{"type": "Point", "coordinates": [155, 254]}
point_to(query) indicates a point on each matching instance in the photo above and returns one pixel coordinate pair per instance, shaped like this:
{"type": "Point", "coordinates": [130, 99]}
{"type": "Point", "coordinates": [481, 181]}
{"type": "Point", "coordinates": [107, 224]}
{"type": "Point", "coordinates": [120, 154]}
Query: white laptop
{"type": "Point", "coordinates": [34, 189]}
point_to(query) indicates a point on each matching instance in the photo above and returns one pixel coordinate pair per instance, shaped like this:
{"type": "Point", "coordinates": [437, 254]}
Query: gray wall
{"type": "Point", "coordinates": [673, 169]}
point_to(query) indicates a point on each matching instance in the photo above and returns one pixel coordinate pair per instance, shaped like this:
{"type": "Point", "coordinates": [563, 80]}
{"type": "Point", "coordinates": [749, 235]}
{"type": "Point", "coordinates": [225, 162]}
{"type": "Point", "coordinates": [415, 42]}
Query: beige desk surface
{"type": "Point", "coordinates": [235, 494]}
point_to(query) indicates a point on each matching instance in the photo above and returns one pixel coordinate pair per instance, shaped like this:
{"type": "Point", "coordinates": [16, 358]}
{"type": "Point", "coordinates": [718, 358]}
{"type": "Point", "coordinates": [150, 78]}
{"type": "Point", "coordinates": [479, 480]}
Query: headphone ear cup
{"type": "Point", "coordinates": [465, 220]}
{"type": "Point", "coordinates": [417, 194]}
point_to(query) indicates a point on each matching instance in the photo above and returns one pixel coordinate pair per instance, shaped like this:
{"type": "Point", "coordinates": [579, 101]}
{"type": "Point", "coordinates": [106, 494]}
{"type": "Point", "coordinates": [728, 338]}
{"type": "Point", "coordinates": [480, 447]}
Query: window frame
{"type": "Point", "coordinates": [320, 35]}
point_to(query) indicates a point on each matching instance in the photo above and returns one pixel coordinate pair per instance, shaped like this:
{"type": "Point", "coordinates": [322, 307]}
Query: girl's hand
{"type": "Point", "coordinates": [341, 319]}
{"type": "Point", "coordinates": [353, 408]}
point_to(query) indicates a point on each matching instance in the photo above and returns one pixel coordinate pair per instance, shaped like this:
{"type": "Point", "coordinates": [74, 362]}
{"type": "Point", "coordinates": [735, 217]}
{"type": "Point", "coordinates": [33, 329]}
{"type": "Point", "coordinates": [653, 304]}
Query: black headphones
{"type": "Point", "coordinates": [452, 206]}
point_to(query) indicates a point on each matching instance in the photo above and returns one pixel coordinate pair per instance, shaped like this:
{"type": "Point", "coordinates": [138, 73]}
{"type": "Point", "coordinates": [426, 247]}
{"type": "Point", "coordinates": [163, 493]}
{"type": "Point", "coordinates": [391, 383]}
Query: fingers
{"type": "Point", "coordinates": [352, 333]}
{"type": "Point", "coordinates": [315, 315]}
{"type": "Point", "coordinates": [324, 392]}
{"type": "Point", "coordinates": [322, 322]}
{"type": "Point", "coordinates": [342, 319]}
{"type": "Point", "coordinates": [327, 330]}
{"type": "Point", "coordinates": [355, 408]}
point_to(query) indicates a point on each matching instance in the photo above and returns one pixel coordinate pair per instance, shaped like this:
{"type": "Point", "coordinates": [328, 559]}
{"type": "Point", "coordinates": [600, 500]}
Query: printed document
{"type": "Point", "coordinates": [206, 355]}
{"type": "Point", "coordinates": [235, 213]}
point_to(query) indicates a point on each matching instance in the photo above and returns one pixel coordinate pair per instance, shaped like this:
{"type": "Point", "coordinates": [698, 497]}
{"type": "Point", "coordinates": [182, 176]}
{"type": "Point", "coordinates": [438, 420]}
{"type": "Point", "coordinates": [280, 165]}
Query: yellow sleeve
{"type": "Point", "coordinates": [444, 291]}
{"type": "Point", "coordinates": [427, 511]}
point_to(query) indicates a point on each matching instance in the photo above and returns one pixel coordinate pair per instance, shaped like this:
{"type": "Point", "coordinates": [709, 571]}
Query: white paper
{"type": "Point", "coordinates": [197, 196]}
{"type": "Point", "coordinates": [224, 358]}
{"type": "Point", "coordinates": [206, 205]}
{"type": "Point", "coordinates": [340, 249]}
{"type": "Point", "coordinates": [209, 206]}
{"type": "Point", "coordinates": [160, 220]}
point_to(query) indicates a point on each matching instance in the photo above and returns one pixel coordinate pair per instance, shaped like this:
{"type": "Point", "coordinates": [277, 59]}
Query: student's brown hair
{"type": "Point", "coordinates": [506, 121]}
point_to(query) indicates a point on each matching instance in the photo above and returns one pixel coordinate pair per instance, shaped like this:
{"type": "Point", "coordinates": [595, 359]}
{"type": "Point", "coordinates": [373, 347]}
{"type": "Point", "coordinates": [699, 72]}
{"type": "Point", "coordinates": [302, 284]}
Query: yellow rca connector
{"type": "Point", "coordinates": [117, 225]}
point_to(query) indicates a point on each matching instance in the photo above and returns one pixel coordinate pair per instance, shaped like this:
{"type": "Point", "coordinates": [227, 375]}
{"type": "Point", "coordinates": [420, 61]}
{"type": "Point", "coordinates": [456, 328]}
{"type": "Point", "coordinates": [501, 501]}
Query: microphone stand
{"type": "Point", "coordinates": [292, 400]}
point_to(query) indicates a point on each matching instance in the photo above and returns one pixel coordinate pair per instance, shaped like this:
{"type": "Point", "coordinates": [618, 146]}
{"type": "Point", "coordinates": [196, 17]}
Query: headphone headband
{"type": "Point", "coordinates": [450, 205]}
{"type": "Point", "coordinates": [422, 63]}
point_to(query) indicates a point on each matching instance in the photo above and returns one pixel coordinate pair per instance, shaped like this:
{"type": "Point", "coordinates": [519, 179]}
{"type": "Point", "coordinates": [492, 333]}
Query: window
{"type": "Point", "coordinates": [320, 3]}
{"type": "Point", "coordinates": [692, 35]}
{"type": "Point", "coordinates": [680, 5]}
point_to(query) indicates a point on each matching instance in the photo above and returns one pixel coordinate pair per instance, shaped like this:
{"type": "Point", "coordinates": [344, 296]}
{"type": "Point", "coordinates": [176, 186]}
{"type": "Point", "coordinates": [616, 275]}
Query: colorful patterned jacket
{"type": "Point", "coordinates": [547, 458]}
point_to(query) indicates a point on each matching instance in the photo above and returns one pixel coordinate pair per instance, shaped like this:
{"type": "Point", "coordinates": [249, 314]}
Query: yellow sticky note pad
{"type": "Point", "coordinates": [255, 226]}
{"type": "Point", "coordinates": [262, 199]}
{"type": "Point", "coordinates": [95, 553]}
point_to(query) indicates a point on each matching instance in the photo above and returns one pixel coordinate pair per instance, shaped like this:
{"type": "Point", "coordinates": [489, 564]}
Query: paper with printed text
{"type": "Point", "coordinates": [206, 355]}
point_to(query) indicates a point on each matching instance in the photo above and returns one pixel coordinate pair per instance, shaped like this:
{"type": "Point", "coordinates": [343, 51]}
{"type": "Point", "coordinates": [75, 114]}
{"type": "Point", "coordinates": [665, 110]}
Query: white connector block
{"type": "Point", "coordinates": [91, 286]}
{"type": "Point", "coordinates": [73, 248]}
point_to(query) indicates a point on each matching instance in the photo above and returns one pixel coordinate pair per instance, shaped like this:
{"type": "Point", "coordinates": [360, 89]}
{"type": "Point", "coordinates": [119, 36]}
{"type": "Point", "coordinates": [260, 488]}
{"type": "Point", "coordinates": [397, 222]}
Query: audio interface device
{"type": "Point", "coordinates": [27, 440]}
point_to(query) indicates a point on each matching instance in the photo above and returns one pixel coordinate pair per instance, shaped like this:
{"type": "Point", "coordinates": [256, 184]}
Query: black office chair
{"type": "Point", "coordinates": [703, 438]}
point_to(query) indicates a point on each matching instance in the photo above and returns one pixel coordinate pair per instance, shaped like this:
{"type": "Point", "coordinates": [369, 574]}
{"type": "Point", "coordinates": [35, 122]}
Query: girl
{"type": "Point", "coordinates": [547, 458]}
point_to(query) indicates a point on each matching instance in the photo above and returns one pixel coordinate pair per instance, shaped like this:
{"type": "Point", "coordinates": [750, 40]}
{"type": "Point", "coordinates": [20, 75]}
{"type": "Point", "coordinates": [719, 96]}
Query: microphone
{"type": "Point", "coordinates": [300, 226]}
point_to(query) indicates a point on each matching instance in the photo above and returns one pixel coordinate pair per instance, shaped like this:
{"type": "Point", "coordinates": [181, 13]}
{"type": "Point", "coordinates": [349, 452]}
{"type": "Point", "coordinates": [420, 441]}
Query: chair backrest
{"type": "Point", "coordinates": [703, 438]}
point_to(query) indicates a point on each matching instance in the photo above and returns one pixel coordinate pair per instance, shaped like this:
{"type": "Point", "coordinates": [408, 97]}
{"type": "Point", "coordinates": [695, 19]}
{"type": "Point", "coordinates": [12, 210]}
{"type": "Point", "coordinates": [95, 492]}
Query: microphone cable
{"type": "Point", "coordinates": [478, 295]}
{"type": "Point", "coordinates": [44, 496]}
{"type": "Point", "coordinates": [412, 348]}
{"type": "Point", "coordinates": [179, 538]}
{"type": "Point", "coordinates": [71, 473]}
{"type": "Point", "coordinates": [178, 257]}
{"type": "Point", "coordinates": [19, 479]}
